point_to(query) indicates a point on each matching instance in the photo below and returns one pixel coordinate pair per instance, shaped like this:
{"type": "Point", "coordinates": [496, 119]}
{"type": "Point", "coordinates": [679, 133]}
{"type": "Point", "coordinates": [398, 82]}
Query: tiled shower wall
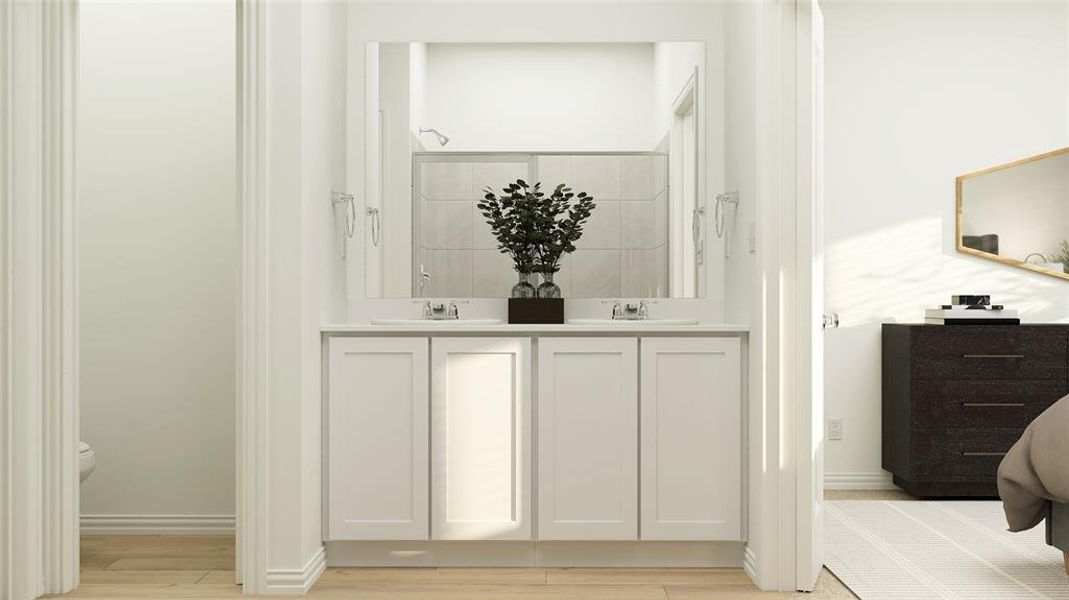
{"type": "Point", "coordinates": [623, 251]}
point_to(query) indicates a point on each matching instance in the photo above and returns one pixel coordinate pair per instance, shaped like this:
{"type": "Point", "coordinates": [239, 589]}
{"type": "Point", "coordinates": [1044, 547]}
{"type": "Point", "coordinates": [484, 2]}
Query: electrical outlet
{"type": "Point", "coordinates": [835, 429]}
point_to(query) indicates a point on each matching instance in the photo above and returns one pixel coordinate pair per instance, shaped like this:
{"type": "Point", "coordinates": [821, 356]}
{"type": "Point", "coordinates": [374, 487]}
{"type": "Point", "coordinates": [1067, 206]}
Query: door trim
{"type": "Point", "coordinates": [38, 305]}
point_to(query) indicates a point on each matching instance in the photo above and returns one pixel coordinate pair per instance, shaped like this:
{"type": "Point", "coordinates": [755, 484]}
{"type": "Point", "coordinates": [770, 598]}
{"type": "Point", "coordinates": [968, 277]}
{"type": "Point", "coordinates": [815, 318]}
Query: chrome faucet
{"type": "Point", "coordinates": [630, 311]}
{"type": "Point", "coordinates": [441, 310]}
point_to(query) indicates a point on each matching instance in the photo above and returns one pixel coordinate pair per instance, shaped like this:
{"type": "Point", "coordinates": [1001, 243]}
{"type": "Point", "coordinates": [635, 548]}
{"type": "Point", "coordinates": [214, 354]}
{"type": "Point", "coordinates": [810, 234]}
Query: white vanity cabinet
{"type": "Point", "coordinates": [608, 437]}
{"type": "Point", "coordinates": [588, 439]}
{"type": "Point", "coordinates": [691, 442]}
{"type": "Point", "coordinates": [481, 438]}
{"type": "Point", "coordinates": [377, 439]}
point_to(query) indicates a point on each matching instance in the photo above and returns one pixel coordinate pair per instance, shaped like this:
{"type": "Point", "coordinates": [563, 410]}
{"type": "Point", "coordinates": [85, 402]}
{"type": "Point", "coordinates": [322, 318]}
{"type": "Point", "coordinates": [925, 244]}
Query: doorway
{"type": "Point", "coordinates": [157, 242]}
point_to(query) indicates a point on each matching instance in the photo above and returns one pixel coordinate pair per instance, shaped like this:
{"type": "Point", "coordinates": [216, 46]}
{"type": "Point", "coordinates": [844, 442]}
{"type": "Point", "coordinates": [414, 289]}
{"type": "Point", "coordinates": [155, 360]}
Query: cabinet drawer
{"type": "Point", "coordinates": [973, 453]}
{"type": "Point", "coordinates": [958, 403]}
{"type": "Point", "coordinates": [965, 352]}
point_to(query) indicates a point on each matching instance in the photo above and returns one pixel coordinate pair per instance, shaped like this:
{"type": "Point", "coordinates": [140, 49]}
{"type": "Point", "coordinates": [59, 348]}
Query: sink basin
{"type": "Point", "coordinates": [435, 323]}
{"type": "Point", "coordinates": [637, 323]}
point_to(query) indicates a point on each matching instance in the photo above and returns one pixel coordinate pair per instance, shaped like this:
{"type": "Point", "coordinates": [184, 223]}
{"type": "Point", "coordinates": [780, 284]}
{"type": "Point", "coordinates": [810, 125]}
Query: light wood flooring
{"type": "Point", "coordinates": [202, 567]}
{"type": "Point", "coordinates": [117, 566]}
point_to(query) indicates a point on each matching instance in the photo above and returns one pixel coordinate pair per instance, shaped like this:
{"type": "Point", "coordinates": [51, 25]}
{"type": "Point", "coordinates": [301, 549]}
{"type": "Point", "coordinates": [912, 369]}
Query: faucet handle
{"type": "Point", "coordinates": [452, 311]}
{"type": "Point", "coordinates": [644, 307]}
{"type": "Point", "coordinates": [617, 307]}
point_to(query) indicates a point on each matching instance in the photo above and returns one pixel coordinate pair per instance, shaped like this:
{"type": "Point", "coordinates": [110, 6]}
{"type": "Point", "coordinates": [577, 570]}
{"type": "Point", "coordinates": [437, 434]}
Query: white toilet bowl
{"type": "Point", "coordinates": [86, 461]}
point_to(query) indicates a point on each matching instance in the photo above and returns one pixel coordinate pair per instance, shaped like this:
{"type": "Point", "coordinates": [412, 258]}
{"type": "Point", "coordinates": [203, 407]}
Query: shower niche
{"type": "Point", "coordinates": [630, 124]}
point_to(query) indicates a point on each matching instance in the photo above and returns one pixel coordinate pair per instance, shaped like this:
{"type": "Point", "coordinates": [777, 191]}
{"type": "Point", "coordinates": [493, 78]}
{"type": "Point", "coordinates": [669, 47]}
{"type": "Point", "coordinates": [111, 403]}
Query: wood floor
{"type": "Point", "coordinates": [202, 567]}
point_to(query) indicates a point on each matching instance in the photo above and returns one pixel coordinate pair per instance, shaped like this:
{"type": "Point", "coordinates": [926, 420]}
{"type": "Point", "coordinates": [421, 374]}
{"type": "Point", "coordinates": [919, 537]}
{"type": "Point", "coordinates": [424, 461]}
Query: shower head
{"type": "Point", "coordinates": [442, 140]}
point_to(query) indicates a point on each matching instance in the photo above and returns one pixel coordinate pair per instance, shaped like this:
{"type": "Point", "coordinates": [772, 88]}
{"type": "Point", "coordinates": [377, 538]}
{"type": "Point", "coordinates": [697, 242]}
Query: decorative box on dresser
{"type": "Point", "coordinates": [957, 397]}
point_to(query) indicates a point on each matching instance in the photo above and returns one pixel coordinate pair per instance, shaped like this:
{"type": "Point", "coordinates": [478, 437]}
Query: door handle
{"type": "Point", "coordinates": [831, 321]}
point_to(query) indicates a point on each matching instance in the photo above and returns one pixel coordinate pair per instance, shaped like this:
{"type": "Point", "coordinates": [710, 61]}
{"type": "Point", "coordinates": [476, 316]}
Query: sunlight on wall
{"type": "Point", "coordinates": [893, 274]}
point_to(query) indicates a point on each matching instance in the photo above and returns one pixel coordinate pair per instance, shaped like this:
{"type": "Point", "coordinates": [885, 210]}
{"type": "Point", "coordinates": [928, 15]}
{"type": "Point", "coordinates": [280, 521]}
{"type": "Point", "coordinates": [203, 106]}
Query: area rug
{"type": "Point", "coordinates": [911, 550]}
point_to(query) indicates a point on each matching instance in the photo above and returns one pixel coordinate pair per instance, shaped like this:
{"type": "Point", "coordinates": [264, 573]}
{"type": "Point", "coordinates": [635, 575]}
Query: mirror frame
{"type": "Point", "coordinates": [960, 217]}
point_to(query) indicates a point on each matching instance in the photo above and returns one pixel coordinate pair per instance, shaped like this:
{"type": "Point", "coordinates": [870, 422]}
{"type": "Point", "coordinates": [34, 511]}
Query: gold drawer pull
{"type": "Point", "coordinates": [994, 356]}
{"type": "Point", "coordinates": [993, 404]}
{"type": "Point", "coordinates": [983, 454]}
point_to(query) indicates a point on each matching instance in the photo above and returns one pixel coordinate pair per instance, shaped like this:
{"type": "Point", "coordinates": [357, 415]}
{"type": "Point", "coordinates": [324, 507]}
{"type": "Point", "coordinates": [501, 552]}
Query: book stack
{"type": "Point", "coordinates": [971, 310]}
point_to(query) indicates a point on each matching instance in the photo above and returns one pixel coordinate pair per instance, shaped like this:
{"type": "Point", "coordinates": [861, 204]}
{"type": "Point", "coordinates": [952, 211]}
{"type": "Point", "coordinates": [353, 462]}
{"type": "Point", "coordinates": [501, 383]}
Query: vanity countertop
{"type": "Point", "coordinates": [638, 327]}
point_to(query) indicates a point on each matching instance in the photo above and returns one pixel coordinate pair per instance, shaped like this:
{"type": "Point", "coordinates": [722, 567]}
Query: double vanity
{"type": "Point", "coordinates": [468, 442]}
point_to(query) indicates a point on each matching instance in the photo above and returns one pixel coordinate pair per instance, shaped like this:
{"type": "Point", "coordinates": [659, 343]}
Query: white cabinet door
{"type": "Point", "coordinates": [377, 428]}
{"type": "Point", "coordinates": [588, 439]}
{"type": "Point", "coordinates": [691, 439]}
{"type": "Point", "coordinates": [481, 438]}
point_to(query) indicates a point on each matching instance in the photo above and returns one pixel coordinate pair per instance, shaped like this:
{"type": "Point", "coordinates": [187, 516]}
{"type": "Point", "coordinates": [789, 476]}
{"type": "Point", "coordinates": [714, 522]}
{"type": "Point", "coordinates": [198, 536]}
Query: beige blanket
{"type": "Point", "coordinates": [1036, 469]}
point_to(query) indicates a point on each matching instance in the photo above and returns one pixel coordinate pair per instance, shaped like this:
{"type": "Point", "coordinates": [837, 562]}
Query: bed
{"type": "Point", "coordinates": [1033, 479]}
{"type": "Point", "coordinates": [1058, 529]}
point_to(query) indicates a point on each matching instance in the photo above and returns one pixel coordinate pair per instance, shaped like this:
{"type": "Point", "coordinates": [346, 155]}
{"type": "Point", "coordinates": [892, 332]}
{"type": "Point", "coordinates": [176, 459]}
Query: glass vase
{"type": "Point", "coordinates": [548, 289]}
{"type": "Point", "coordinates": [523, 288]}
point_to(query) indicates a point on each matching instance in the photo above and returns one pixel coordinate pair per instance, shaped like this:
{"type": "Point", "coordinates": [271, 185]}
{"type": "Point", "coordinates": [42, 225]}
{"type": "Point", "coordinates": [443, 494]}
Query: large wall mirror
{"type": "Point", "coordinates": [623, 122]}
{"type": "Point", "coordinates": [1018, 213]}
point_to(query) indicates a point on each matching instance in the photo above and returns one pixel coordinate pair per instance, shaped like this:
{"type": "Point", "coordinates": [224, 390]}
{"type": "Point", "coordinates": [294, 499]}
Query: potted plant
{"type": "Point", "coordinates": [536, 230]}
{"type": "Point", "coordinates": [558, 225]}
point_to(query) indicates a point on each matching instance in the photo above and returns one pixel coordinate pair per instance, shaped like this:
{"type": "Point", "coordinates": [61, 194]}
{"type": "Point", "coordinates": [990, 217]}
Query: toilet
{"type": "Point", "coordinates": [86, 461]}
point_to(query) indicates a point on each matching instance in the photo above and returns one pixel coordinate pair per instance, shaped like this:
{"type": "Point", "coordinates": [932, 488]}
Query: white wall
{"type": "Point", "coordinates": [306, 154]}
{"type": "Point", "coordinates": [918, 94]}
{"type": "Point", "coordinates": [534, 97]}
{"type": "Point", "coordinates": [741, 23]}
{"type": "Point", "coordinates": [156, 245]}
{"type": "Point", "coordinates": [674, 64]}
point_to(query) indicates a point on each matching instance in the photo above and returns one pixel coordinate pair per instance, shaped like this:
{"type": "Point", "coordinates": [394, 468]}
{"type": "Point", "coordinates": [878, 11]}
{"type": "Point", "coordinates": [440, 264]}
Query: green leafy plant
{"type": "Point", "coordinates": [533, 228]}
{"type": "Point", "coordinates": [1061, 255]}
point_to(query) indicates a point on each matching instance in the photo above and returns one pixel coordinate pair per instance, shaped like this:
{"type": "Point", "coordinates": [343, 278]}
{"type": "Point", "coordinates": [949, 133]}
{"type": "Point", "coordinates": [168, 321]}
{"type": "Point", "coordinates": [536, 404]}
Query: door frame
{"type": "Point", "coordinates": [39, 503]}
{"type": "Point", "coordinates": [684, 240]}
{"type": "Point", "coordinates": [783, 419]}
{"type": "Point", "coordinates": [38, 401]}
{"type": "Point", "coordinates": [252, 425]}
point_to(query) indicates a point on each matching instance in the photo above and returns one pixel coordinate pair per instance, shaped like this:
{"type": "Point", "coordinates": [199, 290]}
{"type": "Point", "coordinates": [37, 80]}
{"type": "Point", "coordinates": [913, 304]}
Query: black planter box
{"type": "Point", "coordinates": [536, 311]}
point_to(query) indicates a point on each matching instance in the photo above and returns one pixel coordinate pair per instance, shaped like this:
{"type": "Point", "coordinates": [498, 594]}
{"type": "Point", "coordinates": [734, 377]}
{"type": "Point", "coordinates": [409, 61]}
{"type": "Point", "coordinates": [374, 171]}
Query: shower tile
{"type": "Point", "coordinates": [638, 225]}
{"type": "Point", "coordinates": [641, 274]}
{"type": "Point", "coordinates": [446, 225]}
{"type": "Point", "coordinates": [553, 170]}
{"type": "Point", "coordinates": [595, 273]}
{"type": "Point", "coordinates": [638, 177]}
{"type": "Point", "coordinates": [660, 174]}
{"type": "Point", "coordinates": [598, 176]}
{"type": "Point", "coordinates": [450, 272]}
{"type": "Point", "coordinates": [660, 214]}
{"type": "Point", "coordinates": [602, 231]}
{"type": "Point", "coordinates": [492, 274]}
{"type": "Point", "coordinates": [563, 278]}
{"type": "Point", "coordinates": [481, 238]}
{"type": "Point", "coordinates": [660, 260]}
{"type": "Point", "coordinates": [496, 175]}
{"type": "Point", "coordinates": [446, 181]}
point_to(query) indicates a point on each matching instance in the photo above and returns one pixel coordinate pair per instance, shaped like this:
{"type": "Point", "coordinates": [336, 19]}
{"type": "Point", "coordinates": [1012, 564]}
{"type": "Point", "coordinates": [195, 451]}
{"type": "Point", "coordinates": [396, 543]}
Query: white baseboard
{"type": "Point", "coordinates": [157, 524]}
{"type": "Point", "coordinates": [439, 553]}
{"type": "Point", "coordinates": [297, 582]}
{"type": "Point", "coordinates": [879, 480]}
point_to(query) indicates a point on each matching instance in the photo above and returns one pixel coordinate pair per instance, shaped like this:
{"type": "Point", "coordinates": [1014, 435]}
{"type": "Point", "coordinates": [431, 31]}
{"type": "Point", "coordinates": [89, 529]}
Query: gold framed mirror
{"type": "Point", "coordinates": [1017, 214]}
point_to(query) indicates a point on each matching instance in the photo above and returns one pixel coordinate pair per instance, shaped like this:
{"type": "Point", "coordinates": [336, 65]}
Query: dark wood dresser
{"type": "Point", "coordinates": [956, 397]}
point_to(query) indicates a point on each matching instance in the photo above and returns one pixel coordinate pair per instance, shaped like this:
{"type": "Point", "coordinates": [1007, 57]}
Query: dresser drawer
{"type": "Point", "coordinates": [972, 453]}
{"type": "Point", "coordinates": [966, 352]}
{"type": "Point", "coordinates": [963, 403]}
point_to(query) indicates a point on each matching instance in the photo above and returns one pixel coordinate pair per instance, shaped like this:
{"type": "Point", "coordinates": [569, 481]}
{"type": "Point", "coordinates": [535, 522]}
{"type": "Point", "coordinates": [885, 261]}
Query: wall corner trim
{"type": "Point", "coordinates": [749, 563]}
{"type": "Point", "coordinates": [297, 581]}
